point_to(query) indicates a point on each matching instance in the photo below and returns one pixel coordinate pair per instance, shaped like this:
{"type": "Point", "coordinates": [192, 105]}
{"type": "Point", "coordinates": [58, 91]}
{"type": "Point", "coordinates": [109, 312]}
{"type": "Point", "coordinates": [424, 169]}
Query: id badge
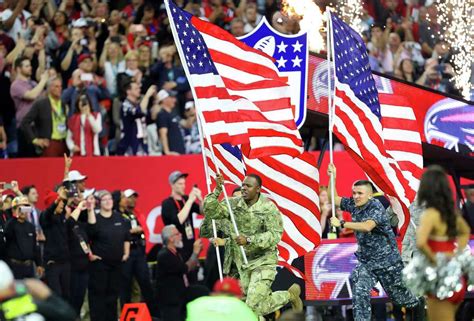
{"type": "Point", "coordinates": [134, 223]}
{"type": "Point", "coordinates": [61, 128]}
{"type": "Point", "coordinates": [84, 247]}
{"type": "Point", "coordinates": [189, 231]}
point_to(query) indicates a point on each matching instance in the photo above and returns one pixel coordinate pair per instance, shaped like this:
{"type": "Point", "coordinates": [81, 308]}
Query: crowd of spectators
{"type": "Point", "coordinates": [97, 77]}
{"type": "Point", "coordinates": [92, 241]}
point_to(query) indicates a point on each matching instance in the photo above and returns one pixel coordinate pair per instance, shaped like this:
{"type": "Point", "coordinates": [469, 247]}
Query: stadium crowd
{"type": "Point", "coordinates": [97, 78]}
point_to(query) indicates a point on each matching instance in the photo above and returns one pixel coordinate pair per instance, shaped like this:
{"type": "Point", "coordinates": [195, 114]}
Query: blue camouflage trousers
{"type": "Point", "coordinates": [363, 280]}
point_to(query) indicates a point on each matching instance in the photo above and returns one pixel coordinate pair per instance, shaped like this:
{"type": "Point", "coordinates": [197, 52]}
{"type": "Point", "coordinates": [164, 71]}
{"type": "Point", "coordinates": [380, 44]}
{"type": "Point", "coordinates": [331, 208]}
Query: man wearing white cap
{"type": "Point", "coordinates": [77, 178]}
{"type": "Point", "coordinates": [168, 125]}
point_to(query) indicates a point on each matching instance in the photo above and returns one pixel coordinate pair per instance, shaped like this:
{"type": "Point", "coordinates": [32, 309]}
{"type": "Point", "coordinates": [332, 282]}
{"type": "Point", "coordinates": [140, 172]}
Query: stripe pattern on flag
{"type": "Point", "coordinates": [237, 88]}
{"type": "Point", "coordinates": [292, 183]}
{"type": "Point", "coordinates": [401, 137]}
{"type": "Point", "coordinates": [357, 117]}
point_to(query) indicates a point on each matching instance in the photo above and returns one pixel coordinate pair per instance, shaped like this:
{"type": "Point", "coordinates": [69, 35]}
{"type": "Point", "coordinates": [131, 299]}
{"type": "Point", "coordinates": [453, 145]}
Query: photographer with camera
{"type": "Point", "coordinates": [45, 124]}
{"type": "Point", "coordinates": [56, 249]}
{"type": "Point", "coordinates": [71, 49]}
{"type": "Point", "coordinates": [22, 251]}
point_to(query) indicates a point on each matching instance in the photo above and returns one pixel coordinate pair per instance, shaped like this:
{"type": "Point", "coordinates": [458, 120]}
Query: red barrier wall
{"type": "Point", "coordinates": [147, 175]}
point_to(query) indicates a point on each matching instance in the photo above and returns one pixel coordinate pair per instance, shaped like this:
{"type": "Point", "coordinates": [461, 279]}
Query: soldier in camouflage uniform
{"type": "Point", "coordinates": [260, 227]}
{"type": "Point", "coordinates": [379, 259]}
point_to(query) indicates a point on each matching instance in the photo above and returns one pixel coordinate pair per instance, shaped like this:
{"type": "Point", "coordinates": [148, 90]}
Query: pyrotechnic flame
{"type": "Point", "coordinates": [351, 12]}
{"type": "Point", "coordinates": [456, 20]}
{"type": "Point", "coordinates": [311, 20]}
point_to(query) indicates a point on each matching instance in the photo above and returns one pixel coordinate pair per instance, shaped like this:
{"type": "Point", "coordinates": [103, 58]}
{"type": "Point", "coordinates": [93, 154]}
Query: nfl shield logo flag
{"type": "Point", "coordinates": [291, 58]}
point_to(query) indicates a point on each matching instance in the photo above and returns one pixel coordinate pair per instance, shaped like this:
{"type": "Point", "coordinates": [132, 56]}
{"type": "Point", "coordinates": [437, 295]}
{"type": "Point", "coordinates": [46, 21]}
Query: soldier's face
{"type": "Point", "coordinates": [250, 189]}
{"type": "Point", "coordinates": [361, 195]}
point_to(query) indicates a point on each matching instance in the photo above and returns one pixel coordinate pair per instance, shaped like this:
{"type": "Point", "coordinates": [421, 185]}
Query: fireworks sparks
{"type": "Point", "coordinates": [311, 20]}
{"type": "Point", "coordinates": [351, 12]}
{"type": "Point", "coordinates": [456, 20]}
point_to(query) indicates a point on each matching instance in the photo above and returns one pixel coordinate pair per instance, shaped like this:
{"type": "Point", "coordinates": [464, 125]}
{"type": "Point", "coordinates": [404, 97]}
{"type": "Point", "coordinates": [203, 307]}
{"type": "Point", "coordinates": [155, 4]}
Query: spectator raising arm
{"type": "Point", "coordinates": [38, 90]}
{"type": "Point", "coordinates": [8, 23]}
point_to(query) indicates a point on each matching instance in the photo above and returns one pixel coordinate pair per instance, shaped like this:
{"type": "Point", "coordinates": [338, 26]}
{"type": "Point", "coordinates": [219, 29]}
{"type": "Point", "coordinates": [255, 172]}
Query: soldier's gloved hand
{"type": "Point", "coordinates": [219, 180]}
{"type": "Point", "coordinates": [241, 240]}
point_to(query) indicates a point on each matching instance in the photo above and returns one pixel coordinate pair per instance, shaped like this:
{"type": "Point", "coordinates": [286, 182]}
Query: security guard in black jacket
{"type": "Point", "coordinates": [136, 265]}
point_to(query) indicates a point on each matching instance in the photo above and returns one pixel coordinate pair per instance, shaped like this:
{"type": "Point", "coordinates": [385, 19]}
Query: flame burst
{"type": "Point", "coordinates": [311, 20]}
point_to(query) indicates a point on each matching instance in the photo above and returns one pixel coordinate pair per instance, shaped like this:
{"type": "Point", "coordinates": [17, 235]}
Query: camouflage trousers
{"type": "Point", "coordinates": [363, 280]}
{"type": "Point", "coordinates": [256, 284]}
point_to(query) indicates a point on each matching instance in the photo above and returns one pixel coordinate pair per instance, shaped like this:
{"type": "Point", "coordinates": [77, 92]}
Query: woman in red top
{"type": "Point", "coordinates": [441, 227]}
{"type": "Point", "coordinates": [84, 127]}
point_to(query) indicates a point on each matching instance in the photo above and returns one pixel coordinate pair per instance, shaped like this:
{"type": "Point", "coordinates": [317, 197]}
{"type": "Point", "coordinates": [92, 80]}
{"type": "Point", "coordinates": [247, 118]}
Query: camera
{"type": "Point", "coordinates": [25, 209]}
{"type": "Point", "coordinates": [84, 100]}
{"type": "Point", "coordinates": [116, 39]}
{"type": "Point", "coordinates": [148, 38]}
{"type": "Point", "coordinates": [7, 186]}
{"type": "Point", "coordinates": [84, 42]}
{"type": "Point", "coordinates": [71, 188]}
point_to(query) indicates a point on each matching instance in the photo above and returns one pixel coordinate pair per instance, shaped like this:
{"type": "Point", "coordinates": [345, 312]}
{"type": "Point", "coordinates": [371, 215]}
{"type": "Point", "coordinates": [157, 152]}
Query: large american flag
{"type": "Point", "coordinates": [292, 183]}
{"type": "Point", "coordinates": [357, 117]}
{"type": "Point", "coordinates": [237, 88]}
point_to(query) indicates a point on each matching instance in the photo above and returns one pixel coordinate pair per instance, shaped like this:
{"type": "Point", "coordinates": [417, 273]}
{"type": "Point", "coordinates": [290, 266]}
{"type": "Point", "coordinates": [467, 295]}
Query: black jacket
{"type": "Point", "coordinates": [38, 122]}
{"type": "Point", "coordinates": [171, 289]}
{"type": "Point", "coordinates": [54, 227]}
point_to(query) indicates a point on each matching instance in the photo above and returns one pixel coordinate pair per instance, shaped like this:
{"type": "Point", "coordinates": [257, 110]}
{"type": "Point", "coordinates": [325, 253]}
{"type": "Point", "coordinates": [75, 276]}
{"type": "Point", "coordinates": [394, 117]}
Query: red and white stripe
{"type": "Point", "coordinates": [402, 139]}
{"type": "Point", "coordinates": [293, 184]}
{"type": "Point", "coordinates": [361, 132]}
{"type": "Point", "coordinates": [248, 102]}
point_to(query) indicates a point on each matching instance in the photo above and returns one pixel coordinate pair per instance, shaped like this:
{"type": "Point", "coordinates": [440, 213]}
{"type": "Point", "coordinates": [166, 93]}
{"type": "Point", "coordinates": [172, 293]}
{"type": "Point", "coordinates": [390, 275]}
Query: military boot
{"type": "Point", "coordinates": [295, 300]}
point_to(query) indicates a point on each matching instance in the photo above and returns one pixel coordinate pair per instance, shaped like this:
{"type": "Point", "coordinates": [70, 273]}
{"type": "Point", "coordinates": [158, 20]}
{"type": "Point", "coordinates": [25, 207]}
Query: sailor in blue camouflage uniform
{"type": "Point", "coordinates": [378, 256]}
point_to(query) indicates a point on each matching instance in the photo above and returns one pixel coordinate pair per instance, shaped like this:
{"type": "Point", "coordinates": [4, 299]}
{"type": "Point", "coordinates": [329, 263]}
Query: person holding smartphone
{"type": "Point", "coordinates": [22, 251]}
{"type": "Point", "coordinates": [84, 127]}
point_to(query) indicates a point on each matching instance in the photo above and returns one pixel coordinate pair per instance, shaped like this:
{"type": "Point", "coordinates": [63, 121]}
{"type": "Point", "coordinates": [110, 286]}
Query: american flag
{"type": "Point", "coordinates": [402, 139]}
{"type": "Point", "coordinates": [237, 88]}
{"type": "Point", "coordinates": [357, 116]}
{"type": "Point", "coordinates": [292, 183]}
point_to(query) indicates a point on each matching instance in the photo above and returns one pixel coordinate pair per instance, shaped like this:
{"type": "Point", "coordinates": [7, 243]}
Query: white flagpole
{"type": "Point", "coordinates": [226, 197]}
{"type": "Point", "coordinates": [329, 50]}
{"type": "Point", "coordinates": [208, 185]}
{"type": "Point", "coordinates": [199, 113]}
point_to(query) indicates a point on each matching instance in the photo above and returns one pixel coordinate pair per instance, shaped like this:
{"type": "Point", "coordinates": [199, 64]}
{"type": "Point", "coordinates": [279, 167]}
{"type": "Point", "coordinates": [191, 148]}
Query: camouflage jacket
{"type": "Point", "coordinates": [378, 248]}
{"type": "Point", "coordinates": [224, 227]}
{"type": "Point", "coordinates": [261, 222]}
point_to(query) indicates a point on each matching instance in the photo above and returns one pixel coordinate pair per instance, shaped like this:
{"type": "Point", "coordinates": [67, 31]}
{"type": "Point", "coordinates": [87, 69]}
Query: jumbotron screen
{"type": "Point", "coordinates": [329, 267]}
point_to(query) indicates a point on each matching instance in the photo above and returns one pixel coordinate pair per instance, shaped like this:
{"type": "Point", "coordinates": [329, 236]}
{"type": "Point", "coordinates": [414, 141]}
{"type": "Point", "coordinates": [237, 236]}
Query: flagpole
{"type": "Point", "coordinates": [329, 50]}
{"type": "Point", "coordinates": [226, 197]}
{"type": "Point", "coordinates": [199, 112]}
{"type": "Point", "coordinates": [208, 184]}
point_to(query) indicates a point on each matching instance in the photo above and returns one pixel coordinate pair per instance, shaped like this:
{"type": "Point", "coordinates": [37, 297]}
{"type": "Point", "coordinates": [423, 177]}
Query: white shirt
{"type": "Point", "coordinates": [18, 26]}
